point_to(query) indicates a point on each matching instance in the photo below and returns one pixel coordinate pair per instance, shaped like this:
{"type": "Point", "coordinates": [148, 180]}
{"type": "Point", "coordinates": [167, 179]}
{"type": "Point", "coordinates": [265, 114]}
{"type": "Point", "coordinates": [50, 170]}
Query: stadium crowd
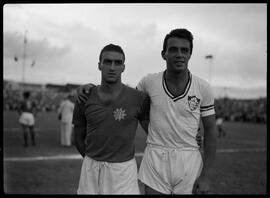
{"type": "Point", "coordinates": [238, 110]}
{"type": "Point", "coordinates": [44, 100]}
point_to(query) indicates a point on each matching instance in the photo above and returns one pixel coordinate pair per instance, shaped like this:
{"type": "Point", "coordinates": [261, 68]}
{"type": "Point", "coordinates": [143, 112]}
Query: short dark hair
{"type": "Point", "coordinates": [179, 33]}
{"type": "Point", "coordinates": [112, 47]}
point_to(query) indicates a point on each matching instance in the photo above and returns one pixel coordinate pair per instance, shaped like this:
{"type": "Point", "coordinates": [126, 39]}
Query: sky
{"type": "Point", "coordinates": [64, 41]}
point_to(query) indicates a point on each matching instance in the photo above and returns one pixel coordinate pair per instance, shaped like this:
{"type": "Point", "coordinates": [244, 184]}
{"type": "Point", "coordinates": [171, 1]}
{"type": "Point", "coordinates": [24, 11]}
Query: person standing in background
{"type": "Point", "coordinates": [220, 128]}
{"type": "Point", "coordinates": [65, 114]}
{"type": "Point", "coordinates": [27, 112]}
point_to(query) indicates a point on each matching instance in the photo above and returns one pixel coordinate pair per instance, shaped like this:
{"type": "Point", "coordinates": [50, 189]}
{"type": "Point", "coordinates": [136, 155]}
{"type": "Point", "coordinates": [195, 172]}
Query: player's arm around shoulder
{"type": "Point", "coordinates": [82, 92]}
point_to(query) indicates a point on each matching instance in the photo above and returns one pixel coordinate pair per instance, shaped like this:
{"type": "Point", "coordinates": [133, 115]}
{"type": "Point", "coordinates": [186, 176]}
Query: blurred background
{"type": "Point", "coordinates": [53, 48]}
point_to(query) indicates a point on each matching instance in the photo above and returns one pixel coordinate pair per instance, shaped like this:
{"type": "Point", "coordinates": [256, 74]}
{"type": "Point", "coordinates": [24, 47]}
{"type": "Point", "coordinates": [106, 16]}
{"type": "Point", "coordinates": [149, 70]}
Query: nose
{"type": "Point", "coordinates": [179, 53]}
{"type": "Point", "coordinates": [112, 66]}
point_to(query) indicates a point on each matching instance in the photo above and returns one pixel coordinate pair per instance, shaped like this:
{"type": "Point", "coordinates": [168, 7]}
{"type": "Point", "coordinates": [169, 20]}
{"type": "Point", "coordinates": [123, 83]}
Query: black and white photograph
{"type": "Point", "coordinates": [134, 98]}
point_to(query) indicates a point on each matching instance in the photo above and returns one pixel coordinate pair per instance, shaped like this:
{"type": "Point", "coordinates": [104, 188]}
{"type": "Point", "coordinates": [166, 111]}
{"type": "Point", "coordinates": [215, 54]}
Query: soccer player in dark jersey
{"type": "Point", "coordinates": [27, 114]}
{"type": "Point", "coordinates": [105, 127]}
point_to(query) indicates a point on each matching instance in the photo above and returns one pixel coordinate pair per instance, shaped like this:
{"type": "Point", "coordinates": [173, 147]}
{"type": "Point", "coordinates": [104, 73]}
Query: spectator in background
{"type": "Point", "coordinates": [65, 114]}
{"type": "Point", "coordinates": [219, 124]}
{"type": "Point", "coordinates": [27, 112]}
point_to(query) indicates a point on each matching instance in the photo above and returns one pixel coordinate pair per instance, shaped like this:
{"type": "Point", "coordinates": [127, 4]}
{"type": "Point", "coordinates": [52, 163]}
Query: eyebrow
{"type": "Point", "coordinates": [113, 59]}
{"type": "Point", "coordinates": [174, 47]}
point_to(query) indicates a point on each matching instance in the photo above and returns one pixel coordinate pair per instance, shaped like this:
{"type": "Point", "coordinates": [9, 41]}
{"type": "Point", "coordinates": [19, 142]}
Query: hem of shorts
{"type": "Point", "coordinates": [188, 148]}
{"type": "Point", "coordinates": [146, 183]}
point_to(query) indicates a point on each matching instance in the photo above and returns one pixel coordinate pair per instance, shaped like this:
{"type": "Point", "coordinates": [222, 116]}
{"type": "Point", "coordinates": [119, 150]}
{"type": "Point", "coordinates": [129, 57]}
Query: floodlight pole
{"type": "Point", "coordinates": [24, 57]}
{"type": "Point", "coordinates": [210, 70]}
{"type": "Point", "coordinates": [210, 57]}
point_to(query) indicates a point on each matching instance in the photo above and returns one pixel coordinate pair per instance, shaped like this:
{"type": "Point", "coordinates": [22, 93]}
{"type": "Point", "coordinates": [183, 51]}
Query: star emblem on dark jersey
{"type": "Point", "coordinates": [119, 114]}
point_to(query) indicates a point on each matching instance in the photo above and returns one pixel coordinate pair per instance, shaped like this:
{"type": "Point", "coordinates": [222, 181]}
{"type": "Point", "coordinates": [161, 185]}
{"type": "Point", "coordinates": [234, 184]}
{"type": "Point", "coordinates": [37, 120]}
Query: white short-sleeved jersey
{"type": "Point", "coordinates": [174, 120]}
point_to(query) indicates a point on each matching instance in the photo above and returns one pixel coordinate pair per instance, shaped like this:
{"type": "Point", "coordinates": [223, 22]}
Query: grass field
{"type": "Point", "coordinates": [240, 165]}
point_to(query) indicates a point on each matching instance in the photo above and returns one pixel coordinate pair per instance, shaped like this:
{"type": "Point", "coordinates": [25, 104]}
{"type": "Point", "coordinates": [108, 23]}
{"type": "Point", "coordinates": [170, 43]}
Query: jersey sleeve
{"type": "Point", "coordinates": [78, 118]}
{"type": "Point", "coordinates": [142, 85]}
{"type": "Point", "coordinates": [207, 105]}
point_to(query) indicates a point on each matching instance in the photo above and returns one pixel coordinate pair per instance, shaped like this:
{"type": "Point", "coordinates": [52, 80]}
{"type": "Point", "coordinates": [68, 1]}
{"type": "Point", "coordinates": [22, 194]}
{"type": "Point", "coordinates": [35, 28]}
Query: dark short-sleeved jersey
{"type": "Point", "coordinates": [111, 129]}
{"type": "Point", "coordinates": [28, 106]}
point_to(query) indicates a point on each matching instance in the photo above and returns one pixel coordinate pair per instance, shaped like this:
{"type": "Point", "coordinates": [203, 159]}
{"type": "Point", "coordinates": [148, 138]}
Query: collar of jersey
{"type": "Point", "coordinates": [167, 91]}
{"type": "Point", "coordinates": [118, 98]}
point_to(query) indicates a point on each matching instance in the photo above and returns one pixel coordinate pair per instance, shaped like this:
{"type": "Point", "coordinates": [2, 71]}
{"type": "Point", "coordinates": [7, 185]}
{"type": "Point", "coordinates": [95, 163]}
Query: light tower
{"type": "Point", "coordinates": [24, 54]}
{"type": "Point", "coordinates": [210, 58]}
{"type": "Point", "coordinates": [24, 57]}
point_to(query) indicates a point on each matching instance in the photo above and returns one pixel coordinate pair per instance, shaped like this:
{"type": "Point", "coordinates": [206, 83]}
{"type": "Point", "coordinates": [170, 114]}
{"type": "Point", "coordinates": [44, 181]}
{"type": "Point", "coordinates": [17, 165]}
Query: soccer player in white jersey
{"type": "Point", "coordinates": [172, 163]}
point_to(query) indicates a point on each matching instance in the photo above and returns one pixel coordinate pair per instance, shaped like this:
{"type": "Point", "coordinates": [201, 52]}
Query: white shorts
{"type": "Point", "coordinates": [169, 170]}
{"type": "Point", "coordinates": [108, 178]}
{"type": "Point", "coordinates": [27, 119]}
{"type": "Point", "coordinates": [65, 133]}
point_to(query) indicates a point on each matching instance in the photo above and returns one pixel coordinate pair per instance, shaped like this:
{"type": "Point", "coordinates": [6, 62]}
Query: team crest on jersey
{"type": "Point", "coordinates": [193, 102]}
{"type": "Point", "coordinates": [119, 114]}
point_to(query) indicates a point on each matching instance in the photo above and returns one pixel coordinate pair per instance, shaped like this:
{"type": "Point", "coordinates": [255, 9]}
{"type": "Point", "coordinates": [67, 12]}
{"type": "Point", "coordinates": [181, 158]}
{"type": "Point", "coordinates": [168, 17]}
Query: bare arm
{"type": "Point", "coordinates": [144, 124]}
{"type": "Point", "coordinates": [79, 135]}
{"type": "Point", "coordinates": [210, 141]}
{"type": "Point", "coordinates": [144, 117]}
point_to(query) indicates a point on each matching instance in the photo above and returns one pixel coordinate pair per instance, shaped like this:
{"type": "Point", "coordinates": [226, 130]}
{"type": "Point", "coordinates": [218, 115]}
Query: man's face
{"type": "Point", "coordinates": [111, 66]}
{"type": "Point", "coordinates": [177, 54]}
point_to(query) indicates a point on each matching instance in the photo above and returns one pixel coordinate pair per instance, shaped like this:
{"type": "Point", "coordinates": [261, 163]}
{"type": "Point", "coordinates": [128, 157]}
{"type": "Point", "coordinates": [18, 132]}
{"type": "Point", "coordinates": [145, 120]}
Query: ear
{"type": "Point", "coordinates": [123, 67]}
{"type": "Point", "coordinates": [99, 66]}
{"type": "Point", "coordinates": [163, 55]}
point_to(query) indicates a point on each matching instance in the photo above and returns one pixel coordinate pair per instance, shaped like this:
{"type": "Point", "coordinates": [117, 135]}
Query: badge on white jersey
{"type": "Point", "coordinates": [193, 102]}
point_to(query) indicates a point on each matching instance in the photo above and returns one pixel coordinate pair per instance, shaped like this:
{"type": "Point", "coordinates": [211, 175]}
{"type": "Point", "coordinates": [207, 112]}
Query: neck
{"type": "Point", "coordinates": [177, 77]}
{"type": "Point", "coordinates": [111, 87]}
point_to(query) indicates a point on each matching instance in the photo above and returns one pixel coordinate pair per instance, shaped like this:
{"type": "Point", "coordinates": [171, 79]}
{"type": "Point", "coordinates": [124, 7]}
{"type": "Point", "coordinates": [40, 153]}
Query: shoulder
{"type": "Point", "coordinates": [135, 92]}
{"type": "Point", "coordinates": [199, 81]}
{"type": "Point", "coordinates": [201, 84]}
{"type": "Point", "coordinates": [152, 76]}
{"type": "Point", "coordinates": [149, 80]}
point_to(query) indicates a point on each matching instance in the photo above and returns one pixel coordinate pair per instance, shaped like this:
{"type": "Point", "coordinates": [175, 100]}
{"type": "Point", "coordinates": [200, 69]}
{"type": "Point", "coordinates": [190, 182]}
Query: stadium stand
{"type": "Point", "coordinates": [48, 97]}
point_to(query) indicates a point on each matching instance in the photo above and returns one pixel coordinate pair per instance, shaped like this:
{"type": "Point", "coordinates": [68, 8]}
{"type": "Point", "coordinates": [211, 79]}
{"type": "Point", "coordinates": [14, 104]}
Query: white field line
{"type": "Point", "coordinates": [77, 156]}
{"type": "Point", "coordinates": [15, 129]}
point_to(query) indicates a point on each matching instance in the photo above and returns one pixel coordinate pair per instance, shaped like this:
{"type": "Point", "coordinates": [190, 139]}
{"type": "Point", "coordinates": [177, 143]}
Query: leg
{"type": "Point", "coordinates": [25, 138]}
{"type": "Point", "coordinates": [224, 132]}
{"type": "Point", "coordinates": [219, 132]}
{"type": "Point", "coordinates": [32, 134]}
{"type": "Point", "coordinates": [62, 134]}
{"type": "Point", "coordinates": [68, 134]}
{"type": "Point", "coordinates": [24, 123]}
{"type": "Point", "coordinates": [24, 128]}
